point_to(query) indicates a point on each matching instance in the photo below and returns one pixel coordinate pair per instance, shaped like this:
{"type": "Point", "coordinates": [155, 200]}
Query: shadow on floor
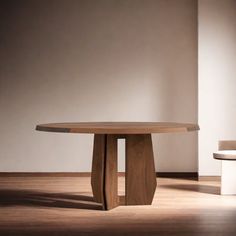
{"type": "Point", "coordinates": [10, 197]}
{"type": "Point", "coordinates": [209, 189]}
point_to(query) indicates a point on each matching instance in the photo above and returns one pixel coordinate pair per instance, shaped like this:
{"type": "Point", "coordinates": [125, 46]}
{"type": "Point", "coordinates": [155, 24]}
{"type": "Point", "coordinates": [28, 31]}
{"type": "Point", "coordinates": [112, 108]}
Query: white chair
{"type": "Point", "coordinates": [227, 155]}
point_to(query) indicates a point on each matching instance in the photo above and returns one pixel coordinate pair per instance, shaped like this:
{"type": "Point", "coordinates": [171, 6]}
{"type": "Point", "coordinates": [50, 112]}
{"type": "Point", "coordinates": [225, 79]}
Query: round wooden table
{"type": "Point", "coordinates": [140, 175]}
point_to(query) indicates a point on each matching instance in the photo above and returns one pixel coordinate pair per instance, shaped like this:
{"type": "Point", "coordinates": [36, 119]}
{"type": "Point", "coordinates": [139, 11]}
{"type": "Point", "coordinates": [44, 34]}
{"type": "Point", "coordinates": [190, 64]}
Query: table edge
{"type": "Point", "coordinates": [118, 131]}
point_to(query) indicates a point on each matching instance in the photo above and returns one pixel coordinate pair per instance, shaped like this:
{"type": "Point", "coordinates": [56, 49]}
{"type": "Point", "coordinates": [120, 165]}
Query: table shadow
{"type": "Point", "coordinates": [11, 197]}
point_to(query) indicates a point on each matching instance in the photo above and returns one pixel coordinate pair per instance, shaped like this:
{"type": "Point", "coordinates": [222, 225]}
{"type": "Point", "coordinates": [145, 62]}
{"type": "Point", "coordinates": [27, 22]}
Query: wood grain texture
{"type": "Point", "coordinates": [227, 145]}
{"type": "Point", "coordinates": [118, 127]}
{"type": "Point", "coordinates": [64, 206]}
{"type": "Point", "coordinates": [97, 175]}
{"type": "Point", "coordinates": [104, 176]}
{"type": "Point", "coordinates": [111, 177]}
{"type": "Point", "coordinates": [140, 170]}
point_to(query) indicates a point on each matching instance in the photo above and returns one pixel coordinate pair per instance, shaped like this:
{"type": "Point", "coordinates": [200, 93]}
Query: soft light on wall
{"type": "Point", "coordinates": [95, 61]}
{"type": "Point", "coordinates": [217, 79]}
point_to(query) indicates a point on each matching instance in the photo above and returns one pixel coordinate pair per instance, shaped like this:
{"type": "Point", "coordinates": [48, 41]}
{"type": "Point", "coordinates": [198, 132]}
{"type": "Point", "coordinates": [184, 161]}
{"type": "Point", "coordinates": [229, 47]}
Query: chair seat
{"type": "Point", "coordinates": [225, 155]}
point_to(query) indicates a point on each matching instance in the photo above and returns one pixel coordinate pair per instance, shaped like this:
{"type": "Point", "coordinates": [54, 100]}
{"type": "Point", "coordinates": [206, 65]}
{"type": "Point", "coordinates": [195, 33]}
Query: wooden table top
{"type": "Point", "coordinates": [118, 127]}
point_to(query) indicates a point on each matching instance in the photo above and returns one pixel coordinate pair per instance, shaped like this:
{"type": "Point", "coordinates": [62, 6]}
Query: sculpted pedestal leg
{"type": "Point", "coordinates": [140, 174]}
{"type": "Point", "coordinates": [104, 170]}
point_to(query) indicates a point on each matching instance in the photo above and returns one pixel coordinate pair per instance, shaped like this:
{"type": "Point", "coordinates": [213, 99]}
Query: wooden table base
{"type": "Point", "coordinates": [140, 184]}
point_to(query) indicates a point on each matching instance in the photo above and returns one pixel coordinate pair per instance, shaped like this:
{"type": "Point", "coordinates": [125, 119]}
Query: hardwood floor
{"type": "Point", "coordinates": [64, 206]}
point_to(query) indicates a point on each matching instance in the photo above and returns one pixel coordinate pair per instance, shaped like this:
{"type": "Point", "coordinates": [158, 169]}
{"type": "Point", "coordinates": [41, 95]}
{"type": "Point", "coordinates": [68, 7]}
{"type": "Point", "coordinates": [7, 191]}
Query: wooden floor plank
{"type": "Point", "coordinates": [64, 206]}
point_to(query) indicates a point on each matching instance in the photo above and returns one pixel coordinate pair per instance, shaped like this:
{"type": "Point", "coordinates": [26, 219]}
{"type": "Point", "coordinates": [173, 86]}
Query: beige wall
{"type": "Point", "coordinates": [217, 79]}
{"type": "Point", "coordinates": [103, 60]}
